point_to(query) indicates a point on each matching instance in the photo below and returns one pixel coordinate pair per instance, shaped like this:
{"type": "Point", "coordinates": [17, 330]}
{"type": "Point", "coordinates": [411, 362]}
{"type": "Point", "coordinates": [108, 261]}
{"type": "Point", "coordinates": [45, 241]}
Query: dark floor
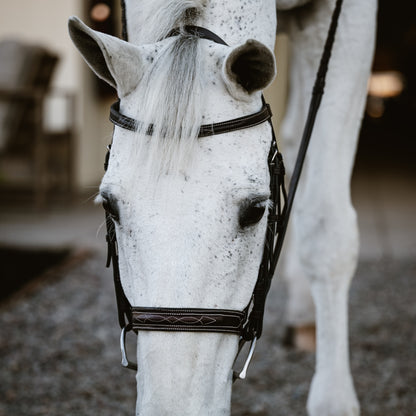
{"type": "Point", "coordinates": [59, 348]}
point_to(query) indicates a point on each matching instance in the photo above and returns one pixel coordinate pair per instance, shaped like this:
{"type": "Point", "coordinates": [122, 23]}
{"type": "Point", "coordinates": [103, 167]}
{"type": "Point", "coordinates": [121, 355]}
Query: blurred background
{"type": "Point", "coordinates": [54, 125]}
{"type": "Point", "coordinates": [54, 130]}
{"type": "Point", "coordinates": [60, 129]}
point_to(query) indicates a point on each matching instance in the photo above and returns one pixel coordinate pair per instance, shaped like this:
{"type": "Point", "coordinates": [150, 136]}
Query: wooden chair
{"type": "Point", "coordinates": [31, 158]}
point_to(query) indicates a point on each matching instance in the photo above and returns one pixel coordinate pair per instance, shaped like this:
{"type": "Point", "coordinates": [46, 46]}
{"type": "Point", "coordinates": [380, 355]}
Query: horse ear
{"type": "Point", "coordinates": [113, 60]}
{"type": "Point", "coordinates": [248, 68]}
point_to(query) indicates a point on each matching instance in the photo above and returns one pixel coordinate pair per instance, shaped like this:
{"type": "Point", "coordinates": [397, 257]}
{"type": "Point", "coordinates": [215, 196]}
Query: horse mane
{"type": "Point", "coordinates": [172, 87]}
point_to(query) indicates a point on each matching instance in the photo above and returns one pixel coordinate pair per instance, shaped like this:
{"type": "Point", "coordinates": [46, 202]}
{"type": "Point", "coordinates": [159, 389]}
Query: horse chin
{"type": "Point", "coordinates": [184, 374]}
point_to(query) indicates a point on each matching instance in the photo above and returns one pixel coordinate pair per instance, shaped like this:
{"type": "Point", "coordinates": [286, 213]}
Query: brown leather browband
{"type": "Point", "coordinates": [193, 320]}
{"type": "Point", "coordinates": [244, 122]}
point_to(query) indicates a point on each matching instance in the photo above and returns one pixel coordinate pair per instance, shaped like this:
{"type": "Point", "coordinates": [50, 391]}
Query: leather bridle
{"type": "Point", "coordinates": [248, 324]}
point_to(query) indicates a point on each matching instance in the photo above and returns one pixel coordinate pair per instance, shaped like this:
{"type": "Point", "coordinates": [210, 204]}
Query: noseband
{"type": "Point", "coordinates": [248, 324]}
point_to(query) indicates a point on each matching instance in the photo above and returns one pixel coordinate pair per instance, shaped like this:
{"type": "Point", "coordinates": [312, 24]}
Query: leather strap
{"type": "Point", "coordinates": [273, 246]}
{"type": "Point", "coordinates": [200, 32]}
{"type": "Point", "coordinates": [123, 305]}
{"type": "Point", "coordinates": [239, 123]}
{"type": "Point", "coordinates": [183, 319]}
{"type": "Point", "coordinates": [178, 319]}
{"type": "Point", "coordinates": [317, 94]}
{"type": "Point", "coordinates": [264, 114]}
{"type": "Point", "coordinates": [244, 122]}
{"type": "Point", "coordinates": [121, 120]}
{"type": "Point", "coordinates": [209, 320]}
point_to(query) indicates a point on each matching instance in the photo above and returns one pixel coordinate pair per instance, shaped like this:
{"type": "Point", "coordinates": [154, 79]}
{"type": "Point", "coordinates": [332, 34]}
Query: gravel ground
{"type": "Point", "coordinates": [59, 348]}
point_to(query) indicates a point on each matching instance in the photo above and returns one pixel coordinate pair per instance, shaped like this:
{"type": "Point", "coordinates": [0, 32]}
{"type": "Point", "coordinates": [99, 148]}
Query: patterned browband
{"type": "Point", "coordinates": [194, 320]}
{"type": "Point", "coordinates": [205, 130]}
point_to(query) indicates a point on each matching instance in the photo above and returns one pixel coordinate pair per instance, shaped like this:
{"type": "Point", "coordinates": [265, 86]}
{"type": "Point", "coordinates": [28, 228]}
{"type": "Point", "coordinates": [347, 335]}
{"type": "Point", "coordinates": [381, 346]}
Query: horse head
{"type": "Point", "coordinates": [188, 211]}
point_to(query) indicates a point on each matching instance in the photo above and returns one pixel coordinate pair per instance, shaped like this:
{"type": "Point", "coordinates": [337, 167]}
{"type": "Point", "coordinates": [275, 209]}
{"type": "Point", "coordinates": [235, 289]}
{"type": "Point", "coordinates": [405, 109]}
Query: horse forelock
{"type": "Point", "coordinates": [171, 92]}
{"type": "Point", "coordinates": [161, 16]}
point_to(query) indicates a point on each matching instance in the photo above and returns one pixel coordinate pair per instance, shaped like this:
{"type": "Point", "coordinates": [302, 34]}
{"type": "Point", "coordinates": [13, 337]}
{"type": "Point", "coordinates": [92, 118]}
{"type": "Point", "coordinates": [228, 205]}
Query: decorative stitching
{"type": "Point", "coordinates": [186, 320]}
{"type": "Point", "coordinates": [197, 320]}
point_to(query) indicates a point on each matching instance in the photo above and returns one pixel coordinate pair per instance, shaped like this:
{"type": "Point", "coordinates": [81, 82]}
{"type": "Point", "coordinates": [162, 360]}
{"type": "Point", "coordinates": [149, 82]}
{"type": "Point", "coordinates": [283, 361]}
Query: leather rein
{"type": "Point", "coordinates": [248, 324]}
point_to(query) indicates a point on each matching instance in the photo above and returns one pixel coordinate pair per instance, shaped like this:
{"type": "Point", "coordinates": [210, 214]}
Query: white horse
{"type": "Point", "coordinates": [181, 205]}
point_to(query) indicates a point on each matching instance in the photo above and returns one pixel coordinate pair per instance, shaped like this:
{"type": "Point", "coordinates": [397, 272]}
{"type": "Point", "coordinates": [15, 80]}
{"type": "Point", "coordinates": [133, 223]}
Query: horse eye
{"type": "Point", "coordinates": [251, 213]}
{"type": "Point", "coordinates": [110, 206]}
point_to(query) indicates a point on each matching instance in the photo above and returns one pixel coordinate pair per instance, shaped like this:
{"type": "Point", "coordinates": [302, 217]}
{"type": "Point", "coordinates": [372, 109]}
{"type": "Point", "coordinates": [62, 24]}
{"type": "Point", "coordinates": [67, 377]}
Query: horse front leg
{"type": "Point", "coordinates": [324, 221]}
{"type": "Point", "coordinates": [299, 308]}
{"type": "Point", "coordinates": [332, 391]}
{"type": "Point", "coordinates": [330, 264]}
{"type": "Point", "coordinates": [326, 242]}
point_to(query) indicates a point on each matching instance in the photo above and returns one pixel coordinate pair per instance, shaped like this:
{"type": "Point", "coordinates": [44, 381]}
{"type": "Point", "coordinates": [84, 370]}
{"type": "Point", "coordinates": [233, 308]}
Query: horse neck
{"type": "Point", "coordinates": [229, 19]}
